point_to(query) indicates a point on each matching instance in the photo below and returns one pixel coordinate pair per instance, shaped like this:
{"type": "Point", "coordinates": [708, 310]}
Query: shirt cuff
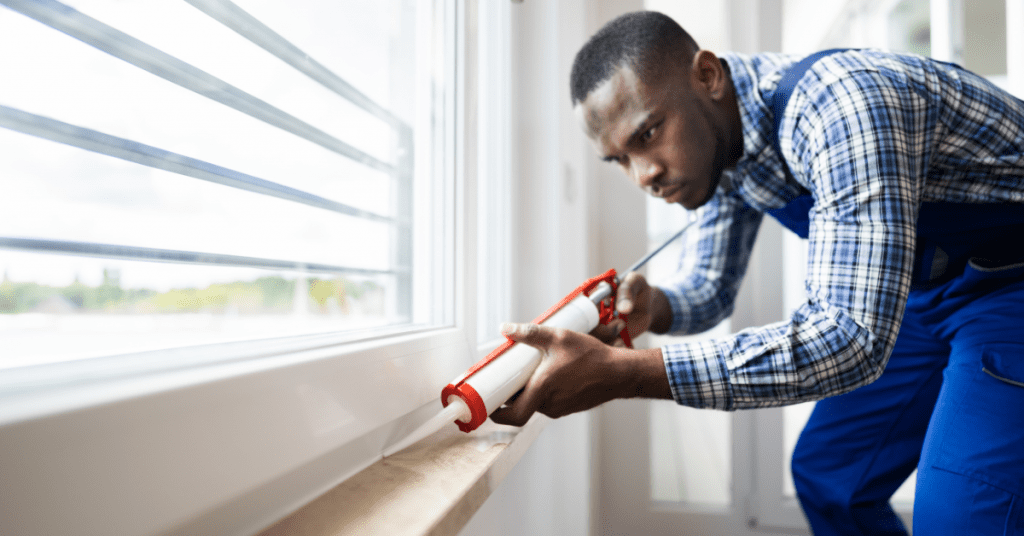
{"type": "Point", "coordinates": [697, 375]}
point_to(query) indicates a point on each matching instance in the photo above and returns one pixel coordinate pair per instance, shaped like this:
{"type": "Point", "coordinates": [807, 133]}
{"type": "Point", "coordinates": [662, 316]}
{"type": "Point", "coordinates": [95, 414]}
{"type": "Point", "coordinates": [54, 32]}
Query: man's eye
{"type": "Point", "coordinates": [648, 134]}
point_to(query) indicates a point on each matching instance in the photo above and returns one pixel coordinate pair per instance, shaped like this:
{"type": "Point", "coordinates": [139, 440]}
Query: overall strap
{"type": "Point", "coordinates": [780, 97]}
{"type": "Point", "coordinates": [794, 215]}
{"type": "Point", "coordinates": [949, 234]}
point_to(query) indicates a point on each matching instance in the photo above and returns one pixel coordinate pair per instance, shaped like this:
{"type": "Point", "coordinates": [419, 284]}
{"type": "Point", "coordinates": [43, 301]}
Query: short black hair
{"type": "Point", "coordinates": [636, 39]}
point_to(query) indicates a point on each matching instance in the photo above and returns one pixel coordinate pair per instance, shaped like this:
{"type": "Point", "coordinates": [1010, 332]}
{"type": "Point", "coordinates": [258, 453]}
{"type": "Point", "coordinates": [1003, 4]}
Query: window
{"type": "Point", "coordinates": [179, 174]}
{"type": "Point", "coordinates": [230, 243]}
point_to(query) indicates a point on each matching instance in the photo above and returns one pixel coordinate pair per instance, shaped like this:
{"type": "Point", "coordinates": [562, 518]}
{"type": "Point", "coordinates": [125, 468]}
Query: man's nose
{"type": "Point", "coordinates": [647, 174]}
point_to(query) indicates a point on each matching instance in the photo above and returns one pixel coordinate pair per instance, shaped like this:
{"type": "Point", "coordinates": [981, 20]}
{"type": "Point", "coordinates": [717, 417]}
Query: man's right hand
{"type": "Point", "coordinates": [647, 306]}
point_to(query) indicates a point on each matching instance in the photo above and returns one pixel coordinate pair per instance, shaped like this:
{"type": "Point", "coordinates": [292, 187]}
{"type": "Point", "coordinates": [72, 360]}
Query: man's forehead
{"type": "Point", "coordinates": [616, 103]}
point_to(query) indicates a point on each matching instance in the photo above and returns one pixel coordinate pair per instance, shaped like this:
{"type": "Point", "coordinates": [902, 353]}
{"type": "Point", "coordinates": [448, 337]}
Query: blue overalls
{"type": "Point", "coordinates": [951, 399]}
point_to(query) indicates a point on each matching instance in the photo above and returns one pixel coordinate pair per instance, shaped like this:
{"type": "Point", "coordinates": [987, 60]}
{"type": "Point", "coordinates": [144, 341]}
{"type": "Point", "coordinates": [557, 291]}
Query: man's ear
{"type": "Point", "coordinates": [709, 74]}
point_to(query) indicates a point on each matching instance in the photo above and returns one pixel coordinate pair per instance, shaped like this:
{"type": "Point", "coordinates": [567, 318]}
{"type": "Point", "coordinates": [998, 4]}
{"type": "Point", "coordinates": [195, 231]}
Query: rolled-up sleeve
{"type": "Point", "coordinates": [711, 266]}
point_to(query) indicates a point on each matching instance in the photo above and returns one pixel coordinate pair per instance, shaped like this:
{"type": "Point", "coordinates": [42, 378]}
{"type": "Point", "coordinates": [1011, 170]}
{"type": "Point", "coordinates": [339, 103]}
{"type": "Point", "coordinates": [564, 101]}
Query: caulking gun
{"type": "Point", "coordinates": [494, 379]}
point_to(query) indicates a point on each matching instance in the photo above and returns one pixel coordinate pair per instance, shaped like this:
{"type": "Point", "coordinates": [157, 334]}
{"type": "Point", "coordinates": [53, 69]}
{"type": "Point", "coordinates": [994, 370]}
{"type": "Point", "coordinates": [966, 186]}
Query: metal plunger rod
{"type": "Point", "coordinates": [639, 264]}
{"type": "Point", "coordinates": [604, 290]}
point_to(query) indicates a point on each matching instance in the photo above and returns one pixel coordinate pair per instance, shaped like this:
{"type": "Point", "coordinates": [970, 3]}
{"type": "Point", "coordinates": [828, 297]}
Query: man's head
{"type": "Point", "coordinates": [657, 105]}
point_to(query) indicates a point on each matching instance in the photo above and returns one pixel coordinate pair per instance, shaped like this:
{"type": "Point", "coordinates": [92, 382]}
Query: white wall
{"type": "Point", "coordinates": [809, 23]}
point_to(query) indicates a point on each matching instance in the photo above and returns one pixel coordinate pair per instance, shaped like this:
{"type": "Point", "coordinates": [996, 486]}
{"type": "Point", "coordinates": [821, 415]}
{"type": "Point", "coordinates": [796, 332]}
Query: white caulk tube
{"type": "Point", "coordinates": [476, 394]}
{"type": "Point", "coordinates": [486, 388]}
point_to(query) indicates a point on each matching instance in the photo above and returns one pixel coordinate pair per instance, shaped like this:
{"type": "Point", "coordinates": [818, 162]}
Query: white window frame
{"type": "Point", "coordinates": [245, 432]}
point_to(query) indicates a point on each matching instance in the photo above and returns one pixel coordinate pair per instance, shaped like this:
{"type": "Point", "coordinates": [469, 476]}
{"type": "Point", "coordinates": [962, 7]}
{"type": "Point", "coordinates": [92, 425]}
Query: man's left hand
{"type": "Point", "coordinates": [579, 372]}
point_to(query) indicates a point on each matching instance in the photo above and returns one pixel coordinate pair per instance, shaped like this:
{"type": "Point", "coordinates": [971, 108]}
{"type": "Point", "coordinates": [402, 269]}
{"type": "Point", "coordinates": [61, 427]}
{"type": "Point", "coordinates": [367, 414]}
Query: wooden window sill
{"type": "Point", "coordinates": [433, 487]}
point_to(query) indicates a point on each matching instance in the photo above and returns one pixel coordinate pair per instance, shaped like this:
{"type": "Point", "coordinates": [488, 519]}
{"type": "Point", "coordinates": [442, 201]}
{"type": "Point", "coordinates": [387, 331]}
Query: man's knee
{"type": "Point", "coordinates": [818, 474]}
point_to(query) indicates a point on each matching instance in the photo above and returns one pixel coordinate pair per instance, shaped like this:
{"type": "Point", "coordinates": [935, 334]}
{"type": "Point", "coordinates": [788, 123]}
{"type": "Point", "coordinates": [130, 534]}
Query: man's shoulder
{"type": "Point", "coordinates": [762, 65]}
{"type": "Point", "coordinates": [859, 76]}
{"type": "Point", "coordinates": [757, 75]}
{"type": "Point", "coordinates": [883, 66]}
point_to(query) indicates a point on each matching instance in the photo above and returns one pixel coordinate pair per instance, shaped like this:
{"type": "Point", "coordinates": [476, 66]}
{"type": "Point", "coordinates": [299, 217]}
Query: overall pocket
{"type": "Point", "coordinates": [1004, 364]}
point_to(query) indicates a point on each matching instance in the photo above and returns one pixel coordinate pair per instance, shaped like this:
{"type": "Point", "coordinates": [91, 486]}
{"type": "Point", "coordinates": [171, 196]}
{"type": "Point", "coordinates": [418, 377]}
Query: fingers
{"type": "Point", "coordinates": [608, 333]}
{"type": "Point", "coordinates": [512, 415]}
{"type": "Point", "coordinates": [578, 373]}
{"type": "Point", "coordinates": [518, 410]}
{"type": "Point", "coordinates": [532, 334]}
{"type": "Point", "coordinates": [629, 290]}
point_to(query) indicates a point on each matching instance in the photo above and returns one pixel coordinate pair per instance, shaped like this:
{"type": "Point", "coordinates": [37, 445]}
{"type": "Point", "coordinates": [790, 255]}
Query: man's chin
{"type": "Point", "coordinates": [676, 196]}
{"type": "Point", "coordinates": [712, 188]}
{"type": "Point", "coordinates": [691, 203]}
{"type": "Point", "coordinates": [686, 196]}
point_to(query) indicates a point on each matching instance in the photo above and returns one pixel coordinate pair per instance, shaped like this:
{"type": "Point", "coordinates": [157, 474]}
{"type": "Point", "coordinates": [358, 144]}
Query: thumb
{"type": "Point", "coordinates": [535, 335]}
{"type": "Point", "coordinates": [629, 289]}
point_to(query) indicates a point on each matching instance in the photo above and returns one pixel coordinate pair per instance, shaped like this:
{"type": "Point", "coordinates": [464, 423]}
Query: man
{"type": "Point", "coordinates": [911, 176]}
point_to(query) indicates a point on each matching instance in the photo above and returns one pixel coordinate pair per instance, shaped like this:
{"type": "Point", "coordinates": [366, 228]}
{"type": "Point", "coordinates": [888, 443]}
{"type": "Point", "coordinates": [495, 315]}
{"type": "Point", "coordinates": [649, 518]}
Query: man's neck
{"type": "Point", "coordinates": [735, 131]}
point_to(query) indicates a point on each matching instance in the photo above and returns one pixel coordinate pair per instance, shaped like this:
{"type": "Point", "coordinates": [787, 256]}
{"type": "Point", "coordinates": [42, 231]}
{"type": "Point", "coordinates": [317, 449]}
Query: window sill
{"type": "Point", "coordinates": [432, 487]}
{"type": "Point", "coordinates": [229, 445]}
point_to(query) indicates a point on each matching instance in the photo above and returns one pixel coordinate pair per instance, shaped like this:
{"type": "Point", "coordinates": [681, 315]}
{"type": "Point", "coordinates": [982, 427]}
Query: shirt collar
{"type": "Point", "coordinates": [759, 176]}
{"type": "Point", "coordinates": [754, 112]}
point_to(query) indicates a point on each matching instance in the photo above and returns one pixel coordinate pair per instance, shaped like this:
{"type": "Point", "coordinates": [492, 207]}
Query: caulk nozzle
{"type": "Point", "coordinates": [456, 410]}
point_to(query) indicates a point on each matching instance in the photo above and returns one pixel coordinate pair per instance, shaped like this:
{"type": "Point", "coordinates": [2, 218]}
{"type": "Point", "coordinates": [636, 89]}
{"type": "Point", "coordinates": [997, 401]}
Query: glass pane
{"type": "Point", "coordinates": [54, 191]}
{"type": "Point", "coordinates": [690, 449]}
{"type": "Point", "coordinates": [62, 78]}
{"type": "Point", "coordinates": [985, 39]}
{"type": "Point", "coordinates": [909, 27]}
{"type": "Point", "coordinates": [59, 306]}
{"type": "Point", "coordinates": [691, 454]}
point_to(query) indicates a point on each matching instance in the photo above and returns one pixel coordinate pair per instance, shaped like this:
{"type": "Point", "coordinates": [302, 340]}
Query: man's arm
{"type": "Point", "coordinates": [647, 306]}
{"type": "Point", "coordinates": [711, 267]}
{"type": "Point", "coordinates": [579, 372]}
{"type": "Point", "coordinates": [858, 144]}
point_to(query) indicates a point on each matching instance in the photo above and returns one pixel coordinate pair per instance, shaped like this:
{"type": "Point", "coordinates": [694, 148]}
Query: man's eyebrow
{"type": "Point", "coordinates": [633, 136]}
{"type": "Point", "coordinates": [640, 129]}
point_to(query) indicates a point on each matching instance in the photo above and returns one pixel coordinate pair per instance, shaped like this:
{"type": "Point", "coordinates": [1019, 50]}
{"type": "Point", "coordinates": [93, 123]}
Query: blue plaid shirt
{"type": "Point", "coordinates": [870, 135]}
